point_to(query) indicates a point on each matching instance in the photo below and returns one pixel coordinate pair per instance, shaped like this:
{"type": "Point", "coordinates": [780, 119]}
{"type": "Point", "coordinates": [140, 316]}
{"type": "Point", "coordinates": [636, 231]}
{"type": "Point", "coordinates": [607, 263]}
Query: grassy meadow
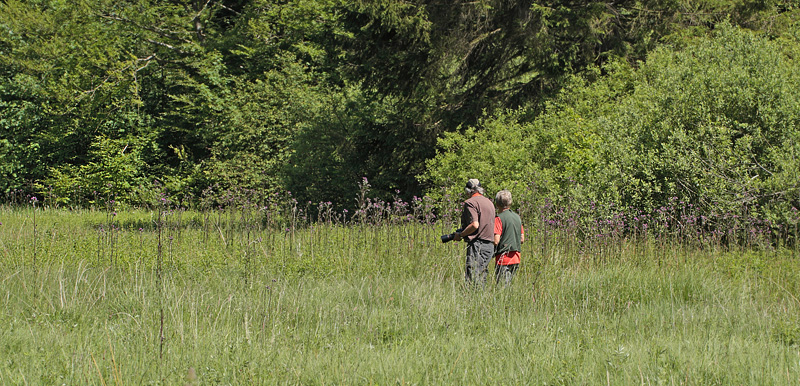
{"type": "Point", "coordinates": [225, 297]}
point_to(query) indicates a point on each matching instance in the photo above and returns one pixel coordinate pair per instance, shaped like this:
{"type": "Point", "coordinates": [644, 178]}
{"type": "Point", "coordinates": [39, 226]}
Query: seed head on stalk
{"type": "Point", "coordinates": [34, 200]}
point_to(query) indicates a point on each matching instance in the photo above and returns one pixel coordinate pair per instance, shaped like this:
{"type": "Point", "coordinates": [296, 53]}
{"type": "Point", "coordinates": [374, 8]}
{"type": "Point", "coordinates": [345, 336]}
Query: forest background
{"type": "Point", "coordinates": [623, 105]}
{"type": "Point", "coordinates": [253, 191]}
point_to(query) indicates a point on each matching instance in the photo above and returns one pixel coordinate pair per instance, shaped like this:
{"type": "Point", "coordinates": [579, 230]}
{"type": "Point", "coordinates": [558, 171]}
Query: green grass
{"type": "Point", "coordinates": [362, 305]}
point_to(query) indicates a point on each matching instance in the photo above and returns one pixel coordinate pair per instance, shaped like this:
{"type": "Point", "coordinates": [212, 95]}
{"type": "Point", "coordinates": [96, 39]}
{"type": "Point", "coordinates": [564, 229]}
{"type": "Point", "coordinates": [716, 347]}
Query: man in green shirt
{"type": "Point", "coordinates": [508, 238]}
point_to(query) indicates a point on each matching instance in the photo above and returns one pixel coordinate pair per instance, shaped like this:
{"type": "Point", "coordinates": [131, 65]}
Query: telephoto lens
{"type": "Point", "coordinates": [450, 237]}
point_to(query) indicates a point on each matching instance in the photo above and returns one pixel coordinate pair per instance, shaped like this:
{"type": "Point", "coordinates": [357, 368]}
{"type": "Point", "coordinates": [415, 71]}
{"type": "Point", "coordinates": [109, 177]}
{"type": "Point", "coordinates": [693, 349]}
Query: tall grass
{"type": "Point", "coordinates": [253, 294]}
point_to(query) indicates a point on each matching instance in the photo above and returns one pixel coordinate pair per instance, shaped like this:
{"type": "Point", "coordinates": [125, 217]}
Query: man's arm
{"type": "Point", "coordinates": [498, 230]}
{"type": "Point", "coordinates": [470, 229]}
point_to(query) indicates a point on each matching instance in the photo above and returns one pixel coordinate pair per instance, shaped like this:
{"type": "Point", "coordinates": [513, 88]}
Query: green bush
{"type": "Point", "coordinates": [713, 125]}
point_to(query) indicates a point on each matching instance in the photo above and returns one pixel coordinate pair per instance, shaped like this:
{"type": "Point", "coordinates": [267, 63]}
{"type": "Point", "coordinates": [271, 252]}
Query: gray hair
{"type": "Point", "coordinates": [503, 199]}
{"type": "Point", "coordinates": [473, 186]}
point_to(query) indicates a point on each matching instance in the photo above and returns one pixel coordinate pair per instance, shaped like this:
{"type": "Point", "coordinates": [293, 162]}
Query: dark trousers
{"type": "Point", "coordinates": [504, 273]}
{"type": "Point", "coordinates": [479, 253]}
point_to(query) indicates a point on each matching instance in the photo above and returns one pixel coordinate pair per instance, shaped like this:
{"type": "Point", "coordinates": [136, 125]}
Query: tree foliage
{"type": "Point", "coordinates": [713, 124]}
{"type": "Point", "coordinates": [105, 98]}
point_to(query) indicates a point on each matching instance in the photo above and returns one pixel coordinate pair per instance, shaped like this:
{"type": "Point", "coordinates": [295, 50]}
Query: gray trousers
{"type": "Point", "coordinates": [504, 273]}
{"type": "Point", "coordinates": [479, 253]}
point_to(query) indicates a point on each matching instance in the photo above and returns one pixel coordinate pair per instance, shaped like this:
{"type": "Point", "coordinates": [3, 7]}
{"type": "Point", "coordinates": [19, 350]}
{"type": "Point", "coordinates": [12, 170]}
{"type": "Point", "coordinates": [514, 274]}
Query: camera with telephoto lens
{"type": "Point", "coordinates": [451, 236]}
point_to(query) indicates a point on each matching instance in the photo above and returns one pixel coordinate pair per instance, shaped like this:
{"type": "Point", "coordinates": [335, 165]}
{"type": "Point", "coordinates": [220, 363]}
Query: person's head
{"type": "Point", "coordinates": [473, 186]}
{"type": "Point", "coordinates": [502, 199]}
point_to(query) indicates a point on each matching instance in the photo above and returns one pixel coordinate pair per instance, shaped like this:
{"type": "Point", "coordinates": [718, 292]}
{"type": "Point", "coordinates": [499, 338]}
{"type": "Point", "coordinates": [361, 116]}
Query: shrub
{"type": "Point", "coordinates": [712, 125]}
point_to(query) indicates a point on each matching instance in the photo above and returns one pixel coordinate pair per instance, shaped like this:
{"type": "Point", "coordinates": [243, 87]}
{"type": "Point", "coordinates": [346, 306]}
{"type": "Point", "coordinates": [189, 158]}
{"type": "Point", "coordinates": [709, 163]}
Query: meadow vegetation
{"type": "Point", "coordinates": [148, 149]}
{"type": "Point", "coordinates": [273, 294]}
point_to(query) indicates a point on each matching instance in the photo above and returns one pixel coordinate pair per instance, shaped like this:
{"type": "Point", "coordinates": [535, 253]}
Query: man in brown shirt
{"type": "Point", "coordinates": [477, 222]}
